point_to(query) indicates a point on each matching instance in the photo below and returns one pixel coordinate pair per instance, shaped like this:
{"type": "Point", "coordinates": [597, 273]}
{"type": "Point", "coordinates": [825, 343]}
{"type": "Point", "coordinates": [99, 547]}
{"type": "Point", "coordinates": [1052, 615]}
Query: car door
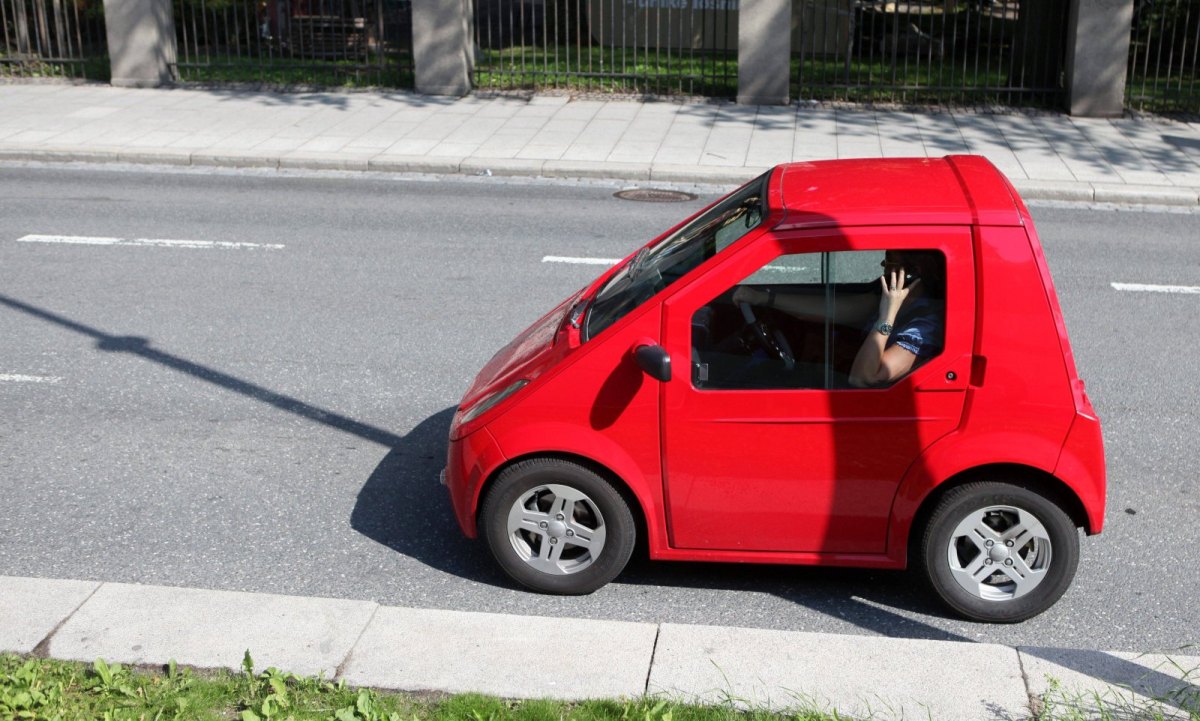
{"type": "Point", "coordinates": [770, 448]}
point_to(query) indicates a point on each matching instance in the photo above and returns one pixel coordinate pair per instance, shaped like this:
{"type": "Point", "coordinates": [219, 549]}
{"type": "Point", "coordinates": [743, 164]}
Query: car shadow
{"type": "Point", "coordinates": [402, 507]}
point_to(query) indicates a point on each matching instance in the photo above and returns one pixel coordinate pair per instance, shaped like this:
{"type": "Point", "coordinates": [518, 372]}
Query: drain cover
{"type": "Point", "coordinates": [654, 195]}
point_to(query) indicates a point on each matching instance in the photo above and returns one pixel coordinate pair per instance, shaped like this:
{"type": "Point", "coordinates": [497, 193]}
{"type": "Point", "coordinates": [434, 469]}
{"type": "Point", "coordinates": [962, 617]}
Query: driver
{"type": "Point", "coordinates": [907, 330]}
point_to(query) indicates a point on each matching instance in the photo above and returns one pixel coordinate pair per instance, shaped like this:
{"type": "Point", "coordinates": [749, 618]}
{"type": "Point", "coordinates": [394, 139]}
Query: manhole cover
{"type": "Point", "coordinates": [654, 195]}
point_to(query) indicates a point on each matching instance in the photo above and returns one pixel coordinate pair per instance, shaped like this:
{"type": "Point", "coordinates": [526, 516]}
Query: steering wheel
{"type": "Point", "coordinates": [769, 338]}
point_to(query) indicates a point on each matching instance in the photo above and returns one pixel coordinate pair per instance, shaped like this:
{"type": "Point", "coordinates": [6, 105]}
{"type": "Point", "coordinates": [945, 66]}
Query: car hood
{"type": "Point", "coordinates": [526, 356]}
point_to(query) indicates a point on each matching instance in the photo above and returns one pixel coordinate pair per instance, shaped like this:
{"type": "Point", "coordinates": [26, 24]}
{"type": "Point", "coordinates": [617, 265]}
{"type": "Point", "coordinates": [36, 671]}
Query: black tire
{"type": "Point", "coordinates": [597, 510]}
{"type": "Point", "coordinates": [1016, 580]}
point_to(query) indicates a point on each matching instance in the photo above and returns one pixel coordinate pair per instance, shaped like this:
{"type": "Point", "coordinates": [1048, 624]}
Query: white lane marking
{"type": "Point", "coordinates": [18, 378]}
{"type": "Point", "coordinates": [1144, 288]}
{"type": "Point", "coordinates": [154, 242]}
{"type": "Point", "coordinates": [580, 261]}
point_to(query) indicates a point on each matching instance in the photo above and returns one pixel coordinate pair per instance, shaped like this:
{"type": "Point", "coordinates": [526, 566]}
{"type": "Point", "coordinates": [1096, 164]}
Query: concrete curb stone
{"type": "Point", "coordinates": [323, 161]}
{"type": "Point", "coordinates": [1145, 194]}
{"type": "Point", "coordinates": [212, 629]}
{"type": "Point", "coordinates": [1069, 190]}
{"type": "Point", "coordinates": [161, 156]}
{"type": "Point", "coordinates": [510, 656]}
{"type": "Point", "coordinates": [510, 167]}
{"type": "Point", "coordinates": [596, 169]}
{"type": "Point", "coordinates": [704, 174]}
{"type": "Point", "coordinates": [31, 608]}
{"type": "Point", "coordinates": [415, 164]}
{"type": "Point", "coordinates": [236, 159]}
{"type": "Point", "coordinates": [904, 678]}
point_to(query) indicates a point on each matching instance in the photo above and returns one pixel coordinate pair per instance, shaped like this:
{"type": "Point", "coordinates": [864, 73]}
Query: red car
{"type": "Point", "coordinates": [851, 363]}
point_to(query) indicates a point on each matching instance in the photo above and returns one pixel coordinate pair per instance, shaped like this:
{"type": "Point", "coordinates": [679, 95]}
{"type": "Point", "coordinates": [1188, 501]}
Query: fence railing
{"type": "Point", "coordinates": [972, 51]}
{"type": "Point", "coordinates": [286, 43]}
{"type": "Point", "coordinates": [660, 47]}
{"type": "Point", "coordinates": [1164, 73]}
{"type": "Point", "coordinates": [53, 38]}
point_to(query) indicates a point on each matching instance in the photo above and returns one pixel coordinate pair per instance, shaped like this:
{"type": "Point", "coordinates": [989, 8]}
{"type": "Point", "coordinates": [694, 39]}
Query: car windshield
{"type": "Point", "coordinates": [654, 268]}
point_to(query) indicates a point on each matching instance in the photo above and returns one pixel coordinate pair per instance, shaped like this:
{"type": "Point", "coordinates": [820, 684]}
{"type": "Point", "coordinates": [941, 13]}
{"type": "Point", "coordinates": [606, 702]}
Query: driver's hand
{"type": "Point", "coordinates": [746, 294]}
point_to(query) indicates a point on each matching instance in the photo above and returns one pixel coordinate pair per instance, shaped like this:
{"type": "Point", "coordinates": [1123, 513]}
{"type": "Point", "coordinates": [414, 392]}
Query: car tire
{"type": "Point", "coordinates": [556, 526]}
{"type": "Point", "coordinates": [998, 552]}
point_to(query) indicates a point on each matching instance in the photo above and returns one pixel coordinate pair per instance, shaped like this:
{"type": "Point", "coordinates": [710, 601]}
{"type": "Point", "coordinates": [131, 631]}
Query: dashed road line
{"type": "Point", "coordinates": [580, 261]}
{"type": "Point", "coordinates": [152, 242]}
{"type": "Point", "coordinates": [1144, 288]}
{"type": "Point", "coordinates": [19, 378]}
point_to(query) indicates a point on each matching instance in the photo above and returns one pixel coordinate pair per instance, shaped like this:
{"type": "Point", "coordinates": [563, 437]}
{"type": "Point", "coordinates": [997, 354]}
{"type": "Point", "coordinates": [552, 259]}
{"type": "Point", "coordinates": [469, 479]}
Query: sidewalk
{"type": "Point", "coordinates": [366, 644]}
{"type": "Point", "coordinates": [1048, 156]}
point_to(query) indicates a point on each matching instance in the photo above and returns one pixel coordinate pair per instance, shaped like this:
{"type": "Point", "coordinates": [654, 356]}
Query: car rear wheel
{"type": "Point", "coordinates": [998, 552]}
{"type": "Point", "coordinates": [557, 527]}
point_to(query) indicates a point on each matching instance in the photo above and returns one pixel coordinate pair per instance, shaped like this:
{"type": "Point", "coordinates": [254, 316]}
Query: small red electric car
{"type": "Point", "coordinates": [852, 363]}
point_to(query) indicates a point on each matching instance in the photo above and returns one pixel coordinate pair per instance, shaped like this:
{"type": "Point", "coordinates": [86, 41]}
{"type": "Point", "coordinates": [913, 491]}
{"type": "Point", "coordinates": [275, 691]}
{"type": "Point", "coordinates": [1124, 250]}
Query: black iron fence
{"type": "Point", "coordinates": [53, 38]}
{"type": "Point", "coordinates": [655, 47]}
{"type": "Point", "coordinates": [970, 51]}
{"type": "Point", "coordinates": [1163, 52]}
{"type": "Point", "coordinates": [320, 43]}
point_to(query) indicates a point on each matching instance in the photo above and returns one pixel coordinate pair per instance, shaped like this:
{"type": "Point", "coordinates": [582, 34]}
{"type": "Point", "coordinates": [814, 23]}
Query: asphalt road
{"type": "Point", "coordinates": [274, 420]}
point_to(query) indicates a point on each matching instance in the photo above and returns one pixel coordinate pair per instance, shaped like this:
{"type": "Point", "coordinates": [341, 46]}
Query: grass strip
{"type": "Point", "coordinates": [37, 689]}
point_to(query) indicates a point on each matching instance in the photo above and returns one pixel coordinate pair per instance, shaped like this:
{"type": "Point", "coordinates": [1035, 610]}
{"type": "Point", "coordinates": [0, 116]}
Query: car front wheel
{"type": "Point", "coordinates": [557, 527]}
{"type": "Point", "coordinates": [998, 552]}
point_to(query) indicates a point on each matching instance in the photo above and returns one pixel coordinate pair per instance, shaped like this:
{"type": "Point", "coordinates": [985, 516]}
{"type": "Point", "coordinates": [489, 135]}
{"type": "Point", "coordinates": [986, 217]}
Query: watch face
{"type": "Point", "coordinates": [885, 328]}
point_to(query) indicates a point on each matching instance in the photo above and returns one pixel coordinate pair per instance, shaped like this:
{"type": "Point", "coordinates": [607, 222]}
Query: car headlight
{"type": "Point", "coordinates": [488, 402]}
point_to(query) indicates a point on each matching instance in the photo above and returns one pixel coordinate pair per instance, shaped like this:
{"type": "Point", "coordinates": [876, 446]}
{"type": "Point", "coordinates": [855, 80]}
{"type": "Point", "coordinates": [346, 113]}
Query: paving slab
{"type": "Point", "coordinates": [1107, 684]}
{"type": "Point", "coordinates": [873, 677]}
{"type": "Point", "coordinates": [30, 608]}
{"type": "Point", "coordinates": [509, 656]}
{"type": "Point", "coordinates": [212, 629]}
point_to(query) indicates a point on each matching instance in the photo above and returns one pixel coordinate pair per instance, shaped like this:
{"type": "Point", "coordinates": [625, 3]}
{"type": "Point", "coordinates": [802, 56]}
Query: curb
{"type": "Point", "coordinates": [1071, 191]}
{"type": "Point", "coordinates": [414, 650]}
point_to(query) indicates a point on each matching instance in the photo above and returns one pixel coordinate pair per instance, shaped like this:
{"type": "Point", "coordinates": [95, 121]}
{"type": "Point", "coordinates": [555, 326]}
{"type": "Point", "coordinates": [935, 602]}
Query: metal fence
{"type": "Point", "coordinates": [287, 43]}
{"type": "Point", "coordinates": [972, 51]}
{"type": "Point", "coordinates": [53, 38]}
{"type": "Point", "coordinates": [1163, 52]}
{"type": "Point", "coordinates": [658, 47]}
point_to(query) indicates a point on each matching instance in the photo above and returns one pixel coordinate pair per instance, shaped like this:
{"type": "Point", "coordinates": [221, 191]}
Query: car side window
{"type": "Point", "coordinates": [801, 320]}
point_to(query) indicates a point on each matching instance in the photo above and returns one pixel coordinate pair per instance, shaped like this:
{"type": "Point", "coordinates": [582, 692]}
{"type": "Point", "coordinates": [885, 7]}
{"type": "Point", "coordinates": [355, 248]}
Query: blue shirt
{"type": "Point", "coordinates": [920, 330]}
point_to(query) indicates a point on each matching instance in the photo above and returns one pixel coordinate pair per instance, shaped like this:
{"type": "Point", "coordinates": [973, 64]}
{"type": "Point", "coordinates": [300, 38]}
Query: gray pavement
{"type": "Point", "coordinates": [535, 657]}
{"type": "Point", "coordinates": [1048, 156]}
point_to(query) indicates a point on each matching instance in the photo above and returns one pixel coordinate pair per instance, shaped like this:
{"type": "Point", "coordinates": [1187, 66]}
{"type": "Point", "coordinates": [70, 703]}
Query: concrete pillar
{"type": "Point", "coordinates": [443, 54]}
{"type": "Point", "coordinates": [1097, 56]}
{"type": "Point", "coordinates": [764, 52]}
{"type": "Point", "coordinates": [141, 42]}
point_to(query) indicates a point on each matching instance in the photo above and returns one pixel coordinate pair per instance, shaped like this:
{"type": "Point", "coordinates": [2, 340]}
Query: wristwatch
{"type": "Point", "coordinates": [884, 328]}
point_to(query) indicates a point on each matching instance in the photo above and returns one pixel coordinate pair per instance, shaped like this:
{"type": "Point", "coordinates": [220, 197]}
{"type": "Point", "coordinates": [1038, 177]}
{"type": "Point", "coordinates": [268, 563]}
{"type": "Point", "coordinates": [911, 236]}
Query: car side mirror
{"type": "Point", "coordinates": [655, 361]}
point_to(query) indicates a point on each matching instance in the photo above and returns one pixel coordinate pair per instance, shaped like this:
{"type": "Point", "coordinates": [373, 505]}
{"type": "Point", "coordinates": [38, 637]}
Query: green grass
{"type": "Point", "coordinates": [392, 70]}
{"type": "Point", "coordinates": [1059, 704]}
{"type": "Point", "coordinates": [603, 69]}
{"type": "Point", "coordinates": [34, 689]}
{"type": "Point", "coordinates": [90, 68]}
{"type": "Point", "coordinates": [1177, 93]}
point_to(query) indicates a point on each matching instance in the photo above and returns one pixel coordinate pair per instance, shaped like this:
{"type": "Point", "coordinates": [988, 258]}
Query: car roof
{"type": "Point", "coordinates": [954, 190]}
